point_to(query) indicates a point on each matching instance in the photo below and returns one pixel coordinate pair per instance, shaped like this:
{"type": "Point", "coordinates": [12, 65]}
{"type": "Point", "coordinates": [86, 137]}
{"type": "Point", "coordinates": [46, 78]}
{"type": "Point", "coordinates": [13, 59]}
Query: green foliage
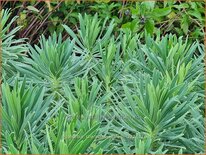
{"type": "Point", "coordinates": [83, 98]}
{"type": "Point", "coordinates": [52, 64]}
{"type": "Point", "coordinates": [177, 17]}
{"type": "Point", "coordinates": [173, 17]}
{"type": "Point", "coordinates": [26, 110]}
{"type": "Point", "coordinates": [98, 90]}
{"type": "Point", "coordinates": [90, 34]}
{"type": "Point", "coordinates": [12, 49]}
{"type": "Point", "coordinates": [159, 112]}
{"type": "Point", "coordinates": [70, 137]}
{"type": "Point", "coordinates": [172, 57]}
{"type": "Point", "coordinates": [110, 67]}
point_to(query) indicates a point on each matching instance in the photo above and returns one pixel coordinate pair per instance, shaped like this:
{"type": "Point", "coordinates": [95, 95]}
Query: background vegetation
{"type": "Point", "coordinates": [102, 77]}
{"type": "Point", "coordinates": [177, 17]}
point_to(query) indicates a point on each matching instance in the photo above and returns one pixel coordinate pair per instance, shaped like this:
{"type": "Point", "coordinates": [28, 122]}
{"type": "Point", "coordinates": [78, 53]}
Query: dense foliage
{"type": "Point", "coordinates": [177, 17]}
{"type": "Point", "coordinates": [99, 89]}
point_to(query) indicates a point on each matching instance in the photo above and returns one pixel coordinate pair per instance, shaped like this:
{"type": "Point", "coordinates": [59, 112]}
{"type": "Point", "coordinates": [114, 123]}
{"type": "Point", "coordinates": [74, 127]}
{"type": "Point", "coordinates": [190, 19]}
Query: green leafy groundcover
{"type": "Point", "coordinates": [169, 16]}
{"type": "Point", "coordinates": [97, 92]}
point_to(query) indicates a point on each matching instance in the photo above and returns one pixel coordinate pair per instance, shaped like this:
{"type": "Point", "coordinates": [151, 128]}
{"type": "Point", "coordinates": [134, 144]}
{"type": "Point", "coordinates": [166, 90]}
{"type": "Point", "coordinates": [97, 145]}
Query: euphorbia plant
{"type": "Point", "coordinates": [53, 64]}
{"type": "Point", "coordinates": [12, 49]}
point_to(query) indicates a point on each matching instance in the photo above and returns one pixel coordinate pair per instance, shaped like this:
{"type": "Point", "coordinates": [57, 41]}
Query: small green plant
{"type": "Point", "coordinates": [12, 49]}
{"type": "Point", "coordinates": [70, 137]}
{"type": "Point", "coordinates": [25, 111]}
{"type": "Point", "coordinates": [173, 58]}
{"type": "Point", "coordinates": [90, 34]}
{"type": "Point", "coordinates": [84, 98]}
{"type": "Point", "coordinates": [53, 64]}
{"type": "Point", "coordinates": [159, 112]}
